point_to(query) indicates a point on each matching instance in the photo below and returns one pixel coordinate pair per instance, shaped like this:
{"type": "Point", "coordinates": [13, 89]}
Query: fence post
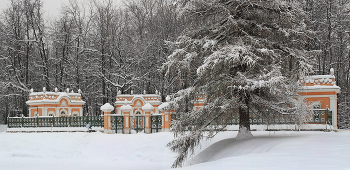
{"type": "Point", "coordinates": [126, 109]}
{"type": "Point", "coordinates": [147, 108]}
{"type": "Point", "coordinates": [107, 108]}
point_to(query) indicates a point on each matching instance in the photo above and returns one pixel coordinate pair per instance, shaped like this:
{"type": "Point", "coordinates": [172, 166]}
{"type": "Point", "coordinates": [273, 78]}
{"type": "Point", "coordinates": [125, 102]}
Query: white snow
{"type": "Point", "coordinates": [277, 150]}
{"type": "Point", "coordinates": [3, 128]}
{"type": "Point", "coordinates": [266, 150]}
{"type": "Point", "coordinates": [147, 106]}
{"type": "Point", "coordinates": [243, 133]}
{"type": "Point", "coordinates": [126, 108]}
{"type": "Point", "coordinates": [107, 107]}
{"type": "Point", "coordinates": [41, 151]}
{"type": "Point", "coordinates": [54, 129]}
{"type": "Point", "coordinates": [163, 105]}
{"type": "Point", "coordinates": [50, 94]}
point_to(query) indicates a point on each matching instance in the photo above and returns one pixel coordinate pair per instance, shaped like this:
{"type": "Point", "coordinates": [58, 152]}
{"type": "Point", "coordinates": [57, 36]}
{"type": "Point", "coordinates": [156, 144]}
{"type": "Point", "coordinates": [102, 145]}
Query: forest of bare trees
{"type": "Point", "coordinates": [101, 48]}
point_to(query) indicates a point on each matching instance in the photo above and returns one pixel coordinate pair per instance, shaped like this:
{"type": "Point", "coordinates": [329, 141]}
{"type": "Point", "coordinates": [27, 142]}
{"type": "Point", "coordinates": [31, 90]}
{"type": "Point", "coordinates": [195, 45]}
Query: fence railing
{"type": "Point", "coordinates": [117, 124]}
{"type": "Point", "coordinates": [81, 121]}
{"type": "Point", "coordinates": [320, 116]}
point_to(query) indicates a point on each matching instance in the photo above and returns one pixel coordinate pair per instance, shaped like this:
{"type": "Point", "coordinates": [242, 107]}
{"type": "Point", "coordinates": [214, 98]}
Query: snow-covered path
{"type": "Point", "coordinates": [268, 150]}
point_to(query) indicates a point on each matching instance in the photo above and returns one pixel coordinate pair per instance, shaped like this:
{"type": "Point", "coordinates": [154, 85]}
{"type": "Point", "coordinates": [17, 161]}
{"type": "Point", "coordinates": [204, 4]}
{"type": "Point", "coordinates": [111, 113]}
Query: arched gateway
{"type": "Point", "coordinates": [137, 110]}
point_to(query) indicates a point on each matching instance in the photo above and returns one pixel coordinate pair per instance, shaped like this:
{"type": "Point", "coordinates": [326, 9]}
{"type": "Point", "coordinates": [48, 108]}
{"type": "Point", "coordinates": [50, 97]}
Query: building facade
{"type": "Point", "coordinates": [323, 90]}
{"type": "Point", "coordinates": [137, 110]}
{"type": "Point", "coordinates": [55, 104]}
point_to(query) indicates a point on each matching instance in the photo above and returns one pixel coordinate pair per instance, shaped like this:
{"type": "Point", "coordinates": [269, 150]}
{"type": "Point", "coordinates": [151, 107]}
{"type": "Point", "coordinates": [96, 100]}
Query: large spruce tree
{"type": "Point", "coordinates": [245, 56]}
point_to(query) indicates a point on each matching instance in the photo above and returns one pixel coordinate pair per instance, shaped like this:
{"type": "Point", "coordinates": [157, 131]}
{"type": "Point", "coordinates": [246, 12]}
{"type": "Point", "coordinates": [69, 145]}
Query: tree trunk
{"type": "Point", "coordinates": [244, 118]}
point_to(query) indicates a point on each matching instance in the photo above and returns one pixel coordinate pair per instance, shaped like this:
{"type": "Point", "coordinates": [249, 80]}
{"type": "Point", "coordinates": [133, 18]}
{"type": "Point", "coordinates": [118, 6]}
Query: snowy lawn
{"type": "Point", "coordinates": [268, 150]}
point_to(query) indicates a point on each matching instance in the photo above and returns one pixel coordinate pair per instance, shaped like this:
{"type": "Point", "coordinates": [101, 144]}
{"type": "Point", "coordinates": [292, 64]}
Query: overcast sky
{"type": "Point", "coordinates": [51, 7]}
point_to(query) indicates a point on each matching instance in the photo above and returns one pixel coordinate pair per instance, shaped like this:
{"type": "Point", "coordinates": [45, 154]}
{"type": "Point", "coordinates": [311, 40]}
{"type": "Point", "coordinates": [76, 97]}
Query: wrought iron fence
{"type": "Point", "coordinates": [117, 124]}
{"type": "Point", "coordinates": [320, 116]}
{"type": "Point", "coordinates": [156, 123]}
{"type": "Point", "coordinates": [80, 121]}
{"type": "Point", "coordinates": [137, 123]}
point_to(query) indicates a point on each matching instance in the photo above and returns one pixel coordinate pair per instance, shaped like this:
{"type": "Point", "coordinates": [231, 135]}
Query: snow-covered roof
{"type": "Point", "coordinates": [319, 88]}
{"type": "Point", "coordinates": [163, 106]}
{"type": "Point", "coordinates": [153, 99]}
{"type": "Point", "coordinates": [126, 108]}
{"type": "Point", "coordinates": [318, 79]}
{"type": "Point", "coordinates": [319, 83]}
{"type": "Point", "coordinates": [54, 98]}
{"type": "Point", "coordinates": [147, 106]}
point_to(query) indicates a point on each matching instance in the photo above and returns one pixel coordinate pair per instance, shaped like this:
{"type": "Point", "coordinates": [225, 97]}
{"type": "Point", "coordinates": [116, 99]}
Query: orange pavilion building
{"type": "Point", "coordinates": [321, 89]}
{"type": "Point", "coordinates": [55, 104]}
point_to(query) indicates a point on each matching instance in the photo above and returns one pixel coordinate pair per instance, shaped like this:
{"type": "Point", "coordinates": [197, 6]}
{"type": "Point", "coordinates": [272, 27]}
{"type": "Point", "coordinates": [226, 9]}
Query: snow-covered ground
{"type": "Point", "coordinates": [2, 128]}
{"type": "Point", "coordinates": [267, 150]}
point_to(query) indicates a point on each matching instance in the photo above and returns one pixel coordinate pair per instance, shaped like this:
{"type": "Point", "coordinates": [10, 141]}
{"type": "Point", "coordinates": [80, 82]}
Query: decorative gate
{"type": "Point", "coordinates": [117, 123]}
{"type": "Point", "coordinates": [137, 122]}
{"type": "Point", "coordinates": [156, 123]}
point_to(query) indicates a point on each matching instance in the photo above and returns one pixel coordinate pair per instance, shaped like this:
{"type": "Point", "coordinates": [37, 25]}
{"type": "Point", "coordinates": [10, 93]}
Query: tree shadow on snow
{"type": "Point", "coordinates": [232, 147]}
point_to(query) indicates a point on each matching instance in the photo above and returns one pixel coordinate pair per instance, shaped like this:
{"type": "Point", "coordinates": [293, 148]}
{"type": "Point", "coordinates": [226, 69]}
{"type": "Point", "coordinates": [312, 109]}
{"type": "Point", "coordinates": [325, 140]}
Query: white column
{"type": "Point", "coordinates": [333, 108]}
{"type": "Point", "coordinates": [44, 111]}
{"type": "Point", "coordinates": [57, 112]}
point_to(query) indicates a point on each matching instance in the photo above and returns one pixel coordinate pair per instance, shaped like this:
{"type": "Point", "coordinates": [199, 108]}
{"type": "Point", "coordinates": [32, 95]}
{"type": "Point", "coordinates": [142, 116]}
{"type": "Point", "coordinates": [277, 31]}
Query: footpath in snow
{"type": "Point", "coordinates": [267, 150]}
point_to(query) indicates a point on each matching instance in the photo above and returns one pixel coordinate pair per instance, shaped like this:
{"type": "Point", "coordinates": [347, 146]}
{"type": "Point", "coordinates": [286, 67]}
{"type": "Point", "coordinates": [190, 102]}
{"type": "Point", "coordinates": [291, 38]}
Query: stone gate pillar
{"type": "Point", "coordinates": [107, 108]}
{"type": "Point", "coordinates": [167, 120]}
{"type": "Point", "coordinates": [126, 109]}
{"type": "Point", "coordinates": [147, 108]}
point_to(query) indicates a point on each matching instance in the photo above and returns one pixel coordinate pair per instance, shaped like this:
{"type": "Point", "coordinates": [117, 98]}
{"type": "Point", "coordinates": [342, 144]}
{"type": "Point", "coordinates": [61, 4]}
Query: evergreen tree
{"type": "Point", "coordinates": [245, 56]}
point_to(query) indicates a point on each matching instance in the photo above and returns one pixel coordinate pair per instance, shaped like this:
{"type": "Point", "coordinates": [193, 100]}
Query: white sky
{"type": "Point", "coordinates": [51, 8]}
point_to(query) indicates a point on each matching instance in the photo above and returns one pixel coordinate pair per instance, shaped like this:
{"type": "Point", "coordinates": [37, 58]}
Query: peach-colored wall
{"type": "Point", "coordinates": [325, 101]}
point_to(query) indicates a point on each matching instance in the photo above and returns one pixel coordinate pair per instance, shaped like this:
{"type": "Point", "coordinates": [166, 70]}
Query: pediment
{"type": "Point", "coordinates": [64, 103]}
